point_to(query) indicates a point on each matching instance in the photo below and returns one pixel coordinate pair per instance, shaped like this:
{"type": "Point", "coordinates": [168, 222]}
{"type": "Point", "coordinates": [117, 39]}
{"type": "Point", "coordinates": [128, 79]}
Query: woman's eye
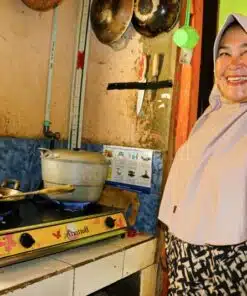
{"type": "Point", "coordinates": [244, 53]}
{"type": "Point", "coordinates": [223, 53]}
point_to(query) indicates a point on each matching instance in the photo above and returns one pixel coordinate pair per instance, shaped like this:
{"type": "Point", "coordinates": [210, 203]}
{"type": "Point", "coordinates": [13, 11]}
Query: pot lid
{"type": "Point", "coordinates": [111, 18]}
{"type": "Point", "coordinates": [153, 17]}
{"type": "Point", "coordinates": [74, 155]}
{"type": "Point", "coordinates": [41, 5]}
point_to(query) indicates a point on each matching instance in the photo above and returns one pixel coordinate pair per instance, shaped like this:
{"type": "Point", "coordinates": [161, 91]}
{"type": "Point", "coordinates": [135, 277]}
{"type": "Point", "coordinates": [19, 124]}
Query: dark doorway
{"type": "Point", "coordinates": [129, 286]}
{"type": "Point", "coordinates": [210, 19]}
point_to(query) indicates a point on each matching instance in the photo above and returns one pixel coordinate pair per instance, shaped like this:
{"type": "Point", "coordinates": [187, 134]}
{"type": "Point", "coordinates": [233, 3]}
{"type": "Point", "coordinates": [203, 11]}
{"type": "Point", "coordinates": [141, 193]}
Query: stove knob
{"type": "Point", "coordinates": [110, 222]}
{"type": "Point", "coordinates": [26, 240]}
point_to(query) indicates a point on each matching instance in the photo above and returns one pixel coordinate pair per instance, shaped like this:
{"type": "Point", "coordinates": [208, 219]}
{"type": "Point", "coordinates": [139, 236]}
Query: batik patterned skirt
{"type": "Point", "coordinates": [205, 270]}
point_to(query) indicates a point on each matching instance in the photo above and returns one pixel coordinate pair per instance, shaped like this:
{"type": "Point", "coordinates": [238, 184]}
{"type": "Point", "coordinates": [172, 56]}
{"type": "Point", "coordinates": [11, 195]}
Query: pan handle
{"type": "Point", "coordinates": [6, 182]}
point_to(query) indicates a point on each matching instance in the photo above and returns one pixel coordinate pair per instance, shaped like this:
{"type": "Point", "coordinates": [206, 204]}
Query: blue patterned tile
{"type": "Point", "coordinates": [20, 159]}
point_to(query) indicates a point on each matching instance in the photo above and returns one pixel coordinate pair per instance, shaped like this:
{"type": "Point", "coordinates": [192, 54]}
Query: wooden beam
{"type": "Point", "coordinates": [190, 76]}
{"type": "Point", "coordinates": [197, 22]}
{"type": "Point", "coordinates": [187, 117]}
{"type": "Point", "coordinates": [148, 280]}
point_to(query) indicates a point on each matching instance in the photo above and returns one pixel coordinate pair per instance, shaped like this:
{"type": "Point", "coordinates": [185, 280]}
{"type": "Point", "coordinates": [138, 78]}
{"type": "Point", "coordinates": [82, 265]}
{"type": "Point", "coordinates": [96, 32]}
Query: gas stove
{"type": "Point", "coordinates": [39, 226]}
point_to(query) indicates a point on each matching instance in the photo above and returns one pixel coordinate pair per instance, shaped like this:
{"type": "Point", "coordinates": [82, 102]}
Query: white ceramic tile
{"type": "Point", "coordinates": [88, 253]}
{"type": "Point", "coordinates": [61, 284]}
{"type": "Point", "coordinates": [96, 265]}
{"type": "Point", "coordinates": [132, 241]}
{"type": "Point", "coordinates": [139, 257]}
{"type": "Point", "coordinates": [20, 274]}
{"type": "Point", "coordinates": [98, 274]}
{"type": "Point", "coordinates": [103, 248]}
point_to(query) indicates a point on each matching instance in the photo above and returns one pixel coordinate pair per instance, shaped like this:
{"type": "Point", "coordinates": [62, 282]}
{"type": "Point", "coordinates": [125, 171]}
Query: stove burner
{"type": "Point", "coordinates": [26, 225]}
{"type": "Point", "coordinates": [42, 209]}
{"type": "Point", "coordinates": [10, 219]}
{"type": "Point", "coordinates": [4, 215]}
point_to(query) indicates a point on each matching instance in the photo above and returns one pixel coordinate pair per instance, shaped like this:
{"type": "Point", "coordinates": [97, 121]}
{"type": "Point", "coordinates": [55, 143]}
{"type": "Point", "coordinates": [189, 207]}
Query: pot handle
{"type": "Point", "coordinates": [47, 153]}
{"type": "Point", "coordinates": [6, 182]}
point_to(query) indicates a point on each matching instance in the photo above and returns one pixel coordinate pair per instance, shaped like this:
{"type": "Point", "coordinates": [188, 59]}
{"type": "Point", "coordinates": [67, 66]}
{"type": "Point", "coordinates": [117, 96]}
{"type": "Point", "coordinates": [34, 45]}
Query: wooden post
{"type": "Point", "coordinates": [188, 96]}
{"type": "Point", "coordinates": [148, 281]}
{"type": "Point", "coordinates": [183, 110]}
{"type": "Point", "coordinates": [197, 22]}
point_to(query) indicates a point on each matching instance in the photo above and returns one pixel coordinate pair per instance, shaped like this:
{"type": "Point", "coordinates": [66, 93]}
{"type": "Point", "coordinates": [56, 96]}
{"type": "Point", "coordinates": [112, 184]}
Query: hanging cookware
{"type": "Point", "coordinates": [111, 20]}
{"type": "Point", "coordinates": [87, 171]}
{"type": "Point", "coordinates": [153, 17]}
{"type": "Point", "coordinates": [42, 5]}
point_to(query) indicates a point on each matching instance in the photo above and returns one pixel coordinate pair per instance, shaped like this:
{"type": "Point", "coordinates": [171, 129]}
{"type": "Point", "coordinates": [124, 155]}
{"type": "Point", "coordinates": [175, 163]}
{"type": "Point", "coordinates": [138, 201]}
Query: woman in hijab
{"type": "Point", "coordinates": [204, 206]}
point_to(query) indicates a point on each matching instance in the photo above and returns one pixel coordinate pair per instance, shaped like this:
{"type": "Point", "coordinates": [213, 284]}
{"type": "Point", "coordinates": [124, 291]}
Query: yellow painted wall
{"type": "Point", "coordinates": [109, 116]}
{"type": "Point", "coordinates": [24, 53]}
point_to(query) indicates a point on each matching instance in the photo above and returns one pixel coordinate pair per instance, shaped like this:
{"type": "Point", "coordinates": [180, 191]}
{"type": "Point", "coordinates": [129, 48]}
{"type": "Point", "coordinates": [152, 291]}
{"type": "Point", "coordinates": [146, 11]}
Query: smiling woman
{"type": "Point", "coordinates": [205, 197]}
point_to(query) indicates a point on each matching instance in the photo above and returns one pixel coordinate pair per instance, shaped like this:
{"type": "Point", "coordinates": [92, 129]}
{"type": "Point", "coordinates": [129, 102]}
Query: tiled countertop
{"type": "Point", "coordinates": [112, 259]}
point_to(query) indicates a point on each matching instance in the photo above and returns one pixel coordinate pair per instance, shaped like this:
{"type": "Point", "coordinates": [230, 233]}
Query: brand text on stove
{"type": "Point", "coordinates": [73, 234]}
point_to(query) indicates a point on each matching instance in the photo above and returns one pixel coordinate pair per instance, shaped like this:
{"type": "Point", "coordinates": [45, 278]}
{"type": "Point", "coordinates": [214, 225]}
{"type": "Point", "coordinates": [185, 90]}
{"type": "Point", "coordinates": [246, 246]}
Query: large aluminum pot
{"type": "Point", "coordinates": [87, 171]}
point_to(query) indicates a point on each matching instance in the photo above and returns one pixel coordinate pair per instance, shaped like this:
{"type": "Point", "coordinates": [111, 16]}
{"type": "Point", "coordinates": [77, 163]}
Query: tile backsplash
{"type": "Point", "coordinates": [20, 159]}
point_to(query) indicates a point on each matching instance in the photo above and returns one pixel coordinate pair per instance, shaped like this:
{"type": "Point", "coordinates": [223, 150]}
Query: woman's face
{"type": "Point", "coordinates": [231, 65]}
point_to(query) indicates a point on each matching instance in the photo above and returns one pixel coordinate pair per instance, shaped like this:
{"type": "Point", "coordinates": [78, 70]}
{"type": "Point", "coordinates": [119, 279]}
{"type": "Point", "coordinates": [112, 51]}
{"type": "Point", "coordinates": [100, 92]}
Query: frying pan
{"type": "Point", "coordinates": [5, 190]}
{"type": "Point", "coordinates": [41, 5]}
{"type": "Point", "coordinates": [153, 17]}
{"type": "Point", "coordinates": [14, 195]}
{"type": "Point", "coordinates": [110, 19]}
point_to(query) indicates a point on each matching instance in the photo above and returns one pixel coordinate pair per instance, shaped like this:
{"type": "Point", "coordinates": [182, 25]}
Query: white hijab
{"type": "Point", "coordinates": [214, 97]}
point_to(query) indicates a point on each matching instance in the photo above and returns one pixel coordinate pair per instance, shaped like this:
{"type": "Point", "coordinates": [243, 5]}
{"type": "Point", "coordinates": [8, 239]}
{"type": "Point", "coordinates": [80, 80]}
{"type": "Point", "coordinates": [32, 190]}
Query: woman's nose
{"type": "Point", "coordinates": [235, 60]}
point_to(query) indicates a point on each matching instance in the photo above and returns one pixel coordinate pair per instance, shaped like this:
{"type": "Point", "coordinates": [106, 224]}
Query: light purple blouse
{"type": "Point", "coordinates": [204, 200]}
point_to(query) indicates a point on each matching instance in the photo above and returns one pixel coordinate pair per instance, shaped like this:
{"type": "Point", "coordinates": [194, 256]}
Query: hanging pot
{"type": "Point", "coordinates": [111, 21]}
{"type": "Point", "coordinates": [153, 17]}
{"type": "Point", "coordinates": [42, 5]}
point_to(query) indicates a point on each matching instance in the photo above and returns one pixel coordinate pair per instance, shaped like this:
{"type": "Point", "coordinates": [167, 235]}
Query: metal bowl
{"type": "Point", "coordinates": [153, 17]}
{"type": "Point", "coordinates": [41, 5]}
{"type": "Point", "coordinates": [110, 19]}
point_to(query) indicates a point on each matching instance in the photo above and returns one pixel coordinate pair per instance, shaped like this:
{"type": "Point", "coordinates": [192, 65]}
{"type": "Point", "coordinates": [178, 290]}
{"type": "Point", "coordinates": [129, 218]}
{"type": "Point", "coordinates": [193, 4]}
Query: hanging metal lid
{"type": "Point", "coordinates": [153, 17]}
{"type": "Point", "coordinates": [41, 5]}
{"type": "Point", "coordinates": [111, 18]}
